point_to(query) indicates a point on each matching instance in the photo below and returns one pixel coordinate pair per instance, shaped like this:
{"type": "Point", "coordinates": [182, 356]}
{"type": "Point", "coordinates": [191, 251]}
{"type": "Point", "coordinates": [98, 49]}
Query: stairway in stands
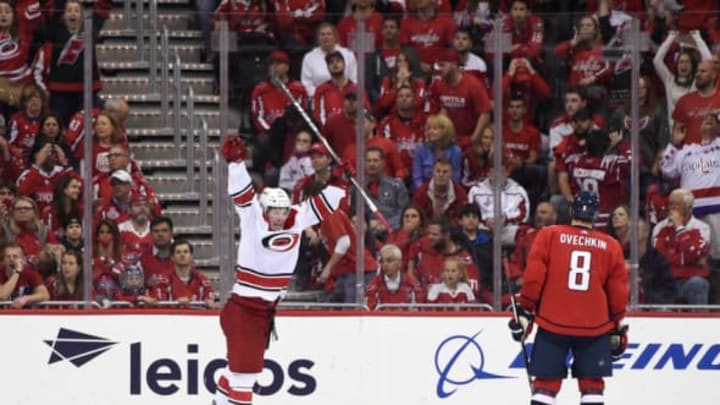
{"type": "Point", "coordinates": [152, 143]}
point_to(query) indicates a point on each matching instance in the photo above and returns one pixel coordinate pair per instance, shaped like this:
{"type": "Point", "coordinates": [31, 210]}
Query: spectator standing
{"type": "Point", "coordinates": [268, 100]}
{"type": "Point", "coordinates": [314, 65]}
{"type": "Point", "coordinates": [392, 285]}
{"type": "Point", "coordinates": [692, 108]}
{"type": "Point", "coordinates": [685, 241]}
{"type": "Point", "coordinates": [461, 97]}
{"type": "Point", "coordinates": [296, 20]}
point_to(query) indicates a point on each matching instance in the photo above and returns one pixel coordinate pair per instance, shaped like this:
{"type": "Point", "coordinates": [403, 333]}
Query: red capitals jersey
{"type": "Point", "coordinates": [348, 24]}
{"type": "Point", "coordinates": [241, 16]}
{"type": "Point", "coordinates": [521, 143]}
{"type": "Point", "coordinates": [407, 134]}
{"type": "Point", "coordinates": [329, 100]}
{"type": "Point", "coordinates": [75, 132]}
{"type": "Point", "coordinates": [686, 249]}
{"type": "Point", "coordinates": [22, 132]}
{"type": "Point", "coordinates": [111, 210]}
{"type": "Point", "coordinates": [40, 185]}
{"type": "Point", "coordinates": [11, 169]}
{"type": "Point", "coordinates": [133, 242]}
{"type": "Point", "coordinates": [696, 14]}
{"type": "Point", "coordinates": [331, 230]}
{"type": "Point", "coordinates": [340, 132]}
{"type": "Point", "coordinates": [197, 288]}
{"type": "Point", "coordinates": [408, 292]}
{"type": "Point", "coordinates": [463, 103]}
{"type": "Point", "coordinates": [269, 102]}
{"type": "Point", "coordinates": [585, 267]}
{"type": "Point", "coordinates": [28, 281]}
{"type": "Point", "coordinates": [14, 60]}
{"type": "Point", "coordinates": [156, 269]}
{"type": "Point", "coordinates": [569, 145]}
{"type": "Point", "coordinates": [607, 177]}
{"type": "Point", "coordinates": [690, 110]}
{"type": "Point", "coordinates": [299, 18]}
{"type": "Point", "coordinates": [527, 41]}
{"type": "Point", "coordinates": [102, 189]}
{"type": "Point", "coordinates": [585, 62]}
{"type": "Point", "coordinates": [388, 94]}
{"type": "Point", "coordinates": [427, 36]}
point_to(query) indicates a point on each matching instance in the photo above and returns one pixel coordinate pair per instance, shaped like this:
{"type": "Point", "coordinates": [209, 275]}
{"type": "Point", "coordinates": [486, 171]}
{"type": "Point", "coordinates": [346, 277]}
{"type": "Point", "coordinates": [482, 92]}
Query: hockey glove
{"type": "Point", "coordinates": [521, 328]}
{"type": "Point", "coordinates": [618, 342]}
{"type": "Point", "coordinates": [233, 149]}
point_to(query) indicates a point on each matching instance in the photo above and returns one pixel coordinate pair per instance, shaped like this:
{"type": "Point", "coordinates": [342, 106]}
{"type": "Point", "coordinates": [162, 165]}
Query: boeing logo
{"type": "Point", "coordinates": [76, 347]}
{"type": "Point", "coordinates": [459, 360]}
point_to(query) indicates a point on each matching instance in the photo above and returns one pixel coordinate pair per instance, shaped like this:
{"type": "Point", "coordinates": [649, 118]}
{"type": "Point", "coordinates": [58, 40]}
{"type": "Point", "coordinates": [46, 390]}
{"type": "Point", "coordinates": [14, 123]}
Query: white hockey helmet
{"type": "Point", "coordinates": [274, 197]}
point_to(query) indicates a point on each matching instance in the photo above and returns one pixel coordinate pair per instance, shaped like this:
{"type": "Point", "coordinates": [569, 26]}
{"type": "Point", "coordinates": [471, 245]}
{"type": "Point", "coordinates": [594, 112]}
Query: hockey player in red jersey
{"type": "Point", "coordinates": [267, 254]}
{"type": "Point", "coordinates": [573, 264]}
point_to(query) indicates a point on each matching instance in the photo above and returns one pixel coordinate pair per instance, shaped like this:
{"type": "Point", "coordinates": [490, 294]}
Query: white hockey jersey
{"type": "Point", "coordinates": [698, 166]}
{"type": "Point", "coordinates": [266, 259]}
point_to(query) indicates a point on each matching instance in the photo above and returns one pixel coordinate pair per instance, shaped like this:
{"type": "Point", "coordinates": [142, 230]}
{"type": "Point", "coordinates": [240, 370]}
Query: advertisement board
{"type": "Point", "coordinates": [355, 360]}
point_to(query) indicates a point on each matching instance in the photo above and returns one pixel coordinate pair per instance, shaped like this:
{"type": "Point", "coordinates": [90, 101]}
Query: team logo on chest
{"type": "Point", "coordinates": [280, 242]}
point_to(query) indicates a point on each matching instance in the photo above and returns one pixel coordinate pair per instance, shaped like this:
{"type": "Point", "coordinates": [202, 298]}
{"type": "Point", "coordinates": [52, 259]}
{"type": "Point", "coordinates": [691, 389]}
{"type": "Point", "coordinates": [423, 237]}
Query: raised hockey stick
{"type": "Point", "coordinates": [368, 201]}
{"type": "Point", "coordinates": [513, 304]}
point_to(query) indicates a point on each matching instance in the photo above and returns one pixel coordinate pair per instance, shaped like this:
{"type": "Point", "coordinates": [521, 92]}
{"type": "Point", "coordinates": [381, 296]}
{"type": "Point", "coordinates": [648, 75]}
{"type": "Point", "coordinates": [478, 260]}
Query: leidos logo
{"type": "Point", "coordinates": [76, 347]}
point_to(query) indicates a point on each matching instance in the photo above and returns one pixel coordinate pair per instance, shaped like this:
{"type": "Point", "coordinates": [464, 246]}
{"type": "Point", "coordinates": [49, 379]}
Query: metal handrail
{"type": "Point", "coordinates": [94, 304]}
{"type": "Point", "coordinates": [153, 46]}
{"type": "Point", "coordinates": [104, 304]}
{"type": "Point", "coordinates": [203, 169]}
{"type": "Point", "coordinates": [190, 139]}
{"type": "Point", "coordinates": [321, 305]}
{"type": "Point", "coordinates": [164, 76]}
{"type": "Point", "coordinates": [676, 307]}
{"type": "Point", "coordinates": [177, 105]}
{"type": "Point", "coordinates": [416, 306]}
{"type": "Point", "coordinates": [217, 219]}
{"type": "Point", "coordinates": [140, 29]}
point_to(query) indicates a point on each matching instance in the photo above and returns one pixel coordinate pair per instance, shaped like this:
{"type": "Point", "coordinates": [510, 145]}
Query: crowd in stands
{"type": "Point", "coordinates": [429, 109]}
{"type": "Point", "coordinates": [429, 163]}
{"type": "Point", "coordinates": [136, 260]}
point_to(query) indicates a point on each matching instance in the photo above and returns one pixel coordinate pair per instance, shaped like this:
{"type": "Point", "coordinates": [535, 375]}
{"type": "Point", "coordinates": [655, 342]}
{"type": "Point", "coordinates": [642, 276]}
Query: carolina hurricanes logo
{"type": "Point", "coordinates": [280, 242]}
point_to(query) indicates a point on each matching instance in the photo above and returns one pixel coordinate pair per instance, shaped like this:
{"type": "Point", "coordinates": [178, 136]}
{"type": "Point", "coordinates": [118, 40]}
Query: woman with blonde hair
{"type": "Point", "coordinates": [454, 287]}
{"type": "Point", "coordinates": [439, 141]}
{"type": "Point", "coordinates": [25, 227]}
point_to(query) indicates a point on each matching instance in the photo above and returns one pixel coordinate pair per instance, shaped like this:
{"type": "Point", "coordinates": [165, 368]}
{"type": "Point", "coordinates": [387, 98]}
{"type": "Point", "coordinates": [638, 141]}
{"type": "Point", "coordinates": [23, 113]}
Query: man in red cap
{"type": "Point", "coordinates": [321, 163]}
{"type": "Point", "coordinates": [268, 100]}
{"type": "Point", "coordinates": [461, 97]}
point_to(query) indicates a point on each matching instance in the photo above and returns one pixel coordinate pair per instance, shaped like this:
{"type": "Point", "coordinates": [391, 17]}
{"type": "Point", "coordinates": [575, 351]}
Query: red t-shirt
{"type": "Point", "coordinates": [463, 102]}
{"type": "Point", "coordinates": [197, 288]}
{"type": "Point", "coordinates": [427, 36]}
{"type": "Point", "coordinates": [568, 264]}
{"type": "Point", "coordinates": [348, 24]}
{"type": "Point", "coordinates": [691, 108]}
{"type": "Point", "coordinates": [521, 143]}
{"type": "Point", "coordinates": [406, 134]}
{"type": "Point", "coordinates": [26, 284]}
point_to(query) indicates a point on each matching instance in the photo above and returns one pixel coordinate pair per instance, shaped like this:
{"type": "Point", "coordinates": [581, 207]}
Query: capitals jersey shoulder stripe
{"type": "Point", "coordinates": [244, 197]}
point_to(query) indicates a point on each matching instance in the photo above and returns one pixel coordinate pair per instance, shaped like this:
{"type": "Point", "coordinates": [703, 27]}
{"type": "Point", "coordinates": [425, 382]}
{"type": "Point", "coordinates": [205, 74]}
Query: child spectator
{"type": "Point", "coordinates": [72, 238]}
{"type": "Point", "coordinates": [132, 288]}
{"type": "Point", "coordinates": [454, 288]}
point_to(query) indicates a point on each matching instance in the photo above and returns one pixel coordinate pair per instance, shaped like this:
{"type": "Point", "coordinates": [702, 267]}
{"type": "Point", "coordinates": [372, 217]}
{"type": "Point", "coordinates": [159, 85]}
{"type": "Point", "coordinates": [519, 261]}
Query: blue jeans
{"type": "Point", "coordinates": [693, 290]}
{"type": "Point", "coordinates": [345, 287]}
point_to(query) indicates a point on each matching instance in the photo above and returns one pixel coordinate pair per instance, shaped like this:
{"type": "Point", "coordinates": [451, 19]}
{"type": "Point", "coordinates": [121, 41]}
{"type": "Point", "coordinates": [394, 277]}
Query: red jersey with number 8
{"type": "Point", "coordinates": [575, 281]}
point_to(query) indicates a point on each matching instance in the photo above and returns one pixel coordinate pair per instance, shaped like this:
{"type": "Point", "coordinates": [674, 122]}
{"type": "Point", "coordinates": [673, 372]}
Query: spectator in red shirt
{"type": "Point", "coordinates": [521, 78]}
{"type": "Point", "coordinates": [187, 284]}
{"type": "Point", "coordinates": [545, 215]}
{"type": "Point", "coordinates": [107, 133]}
{"type": "Point", "coordinates": [392, 285]}
{"type": "Point", "coordinates": [107, 263]}
{"type": "Point", "coordinates": [25, 228]}
{"type": "Point", "coordinates": [67, 203]}
{"type": "Point", "coordinates": [692, 108]}
{"type": "Point", "coordinates": [296, 20]}
{"type": "Point", "coordinates": [135, 235]}
{"type": "Point", "coordinates": [18, 282]}
{"type": "Point", "coordinates": [461, 97]}
{"type": "Point", "coordinates": [75, 133]}
{"type": "Point", "coordinates": [522, 140]}
{"type": "Point", "coordinates": [157, 262]}
{"type": "Point", "coordinates": [401, 75]}
{"type": "Point", "coordinates": [393, 167]}
{"type": "Point", "coordinates": [69, 285]}
{"type": "Point", "coordinates": [38, 181]}
{"type": "Point", "coordinates": [24, 124]}
{"type": "Point", "coordinates": [339, 129]}
{"type": "Point", "coordinates": [340, 239]}
{"type": "Point", "coordinates": [440, 197]}
{"type": "Point", "coordinates": [321, 163]}
{"type": "Point", "coordinates": [453, 289]}
{"type": "Point", "coordinates": [8, 191]}
{"type": "Point", "coordinates": [250, 19]}
{"type": "Point", "coordinates": [527, 31]}
{"type": "Point", "coordinates": [268, 100]}
{"type": "Point", "coordinates": [427, 31]}
{"type": "Point", "coordinates": [685, 241]}
{"type": "Point", "coordinates": [11, 162]}
{"type": "Point", "coordinates": [14, 65]}
{"type": "Point", "coordinates": [405, 125]}
{"type": "Point", "coordinates": [412, 228]}
{"type": "Point", "coordinates": [132, 289]}
{"type": "Point", "coordinates": [116, 208]}
{"type": "Point", "coordinates": [361, 10]}
{"type": "Point", "coordinates": [329, 96]}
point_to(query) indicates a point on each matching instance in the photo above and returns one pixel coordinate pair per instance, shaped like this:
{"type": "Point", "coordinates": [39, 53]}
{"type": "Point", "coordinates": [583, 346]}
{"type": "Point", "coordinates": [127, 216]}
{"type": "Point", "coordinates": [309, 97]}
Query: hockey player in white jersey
{"type": "Point", "coordinates": [268, 252]}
